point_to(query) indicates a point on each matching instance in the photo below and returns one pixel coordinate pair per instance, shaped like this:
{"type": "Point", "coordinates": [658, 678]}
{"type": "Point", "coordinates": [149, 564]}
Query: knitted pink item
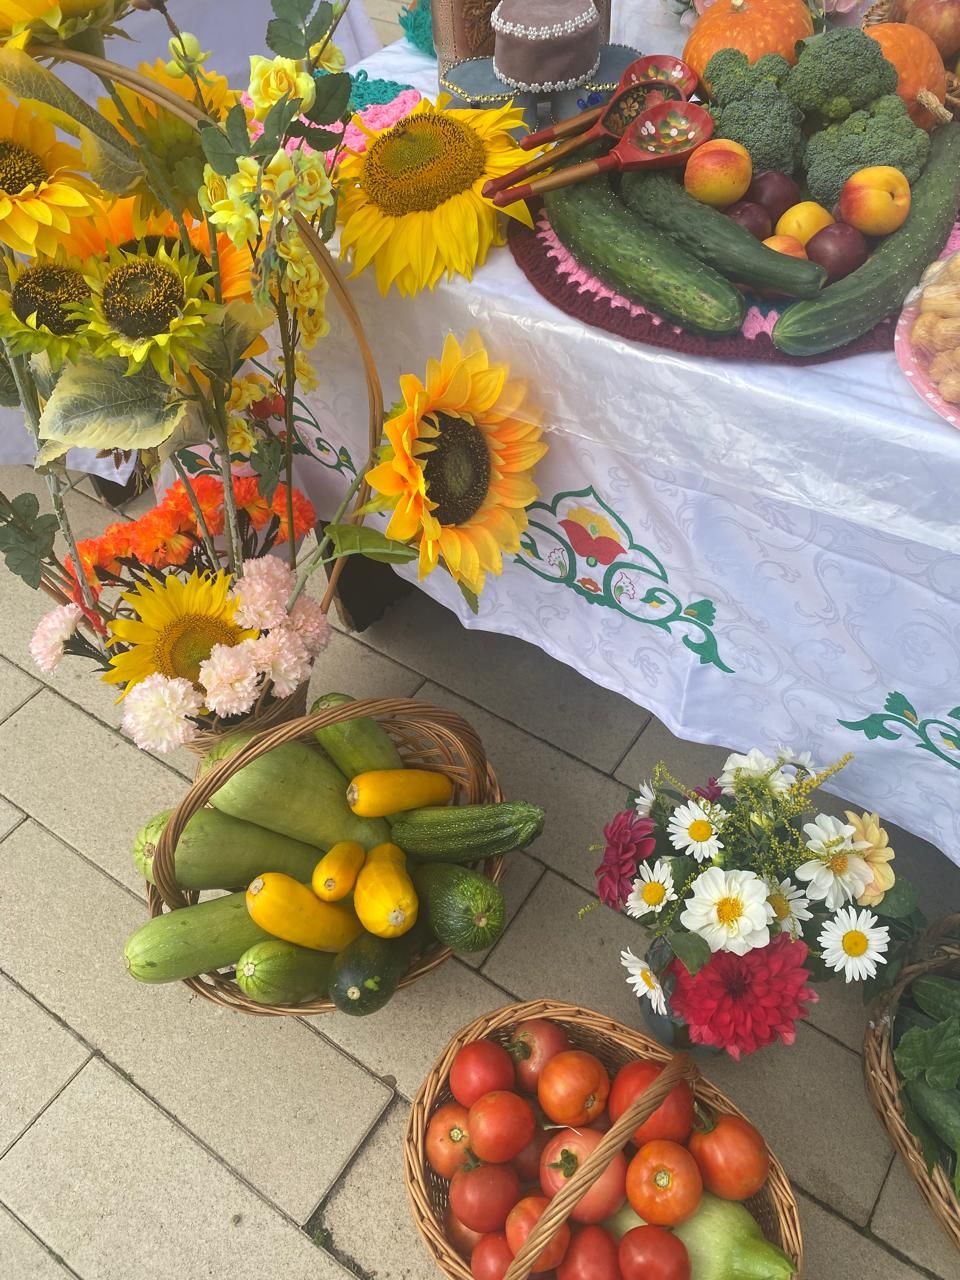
{"type": "Point", "coordinates": [379, 116]}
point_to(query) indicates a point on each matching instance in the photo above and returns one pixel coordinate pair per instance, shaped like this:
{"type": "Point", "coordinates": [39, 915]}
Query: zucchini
{"type": "Point", "coordinates": [366, 974]}
{"type": "Point", "coordinates": [293, 790]}
{"type": "Point", "coordinates": [193, 940]}
{"type": "Point", "coordinates": [717, 240]}
{"type": "Point", "coordinates": [859, 301]}
{"type": "Point", "coordinates": [278, 972]}
{"type": "Point", "coordinates": [383, 792]}
{"type": "Point", "coordinates": [465, 910]}
{"type": "Point", "coordinates": [940, 1108]}
{"type": "Point", "coordinates": [216, 851]}
{"type": "Point", "coordinates": [469, 832]}
{"type": "Point", "coordinates": [355, 746]}
{"type": "Point", "coordinates": [937, 996]}
{"type": "Point", "coordinates": [909, 1019]}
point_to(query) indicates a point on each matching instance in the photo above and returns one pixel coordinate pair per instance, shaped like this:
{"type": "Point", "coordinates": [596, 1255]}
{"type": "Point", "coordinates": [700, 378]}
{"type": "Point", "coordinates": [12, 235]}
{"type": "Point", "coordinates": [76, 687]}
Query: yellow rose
{"type": "Point", "coordinates": [878, 855]}
{"type": "Point", "coordinates": [240, 438]}
{"type": "Point", "coordinates": [314, 191]}
{"type": "Point", "coordinates": [313, 326]}
{"type": "Point", "coordinates": [331, 59]}
{"type": "Point", "coordinates": [246, 391]}
{"type": "Point", "coordinates": [279, 183]}
{"type": "Point", "coordinates": [307, 379]}
{"type": "Point", "coordinates": [213, 191]}
{"type": "Point", "coordinates": [271, 78]}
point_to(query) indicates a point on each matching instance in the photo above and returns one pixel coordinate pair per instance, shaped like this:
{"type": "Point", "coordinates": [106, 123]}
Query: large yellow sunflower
{"type": "Point", "coordinates": [42, 310]}
{"type": "Point", "coordinates": [177, 623]}
{"type": "Point", "coordinates": [49, 18]}
{"type": "Point", "coordinates": [457, 463]}
{"type": "Point", "coordinates": [412, 203]}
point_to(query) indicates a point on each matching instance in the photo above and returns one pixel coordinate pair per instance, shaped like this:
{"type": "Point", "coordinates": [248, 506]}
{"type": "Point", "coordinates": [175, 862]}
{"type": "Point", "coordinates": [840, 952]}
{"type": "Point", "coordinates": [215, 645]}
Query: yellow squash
{"type": "Point", "coordinates": [292, 911]}
{"type": "Point", "coordinates": [336, 873]}
{"type": "Point", "coordinates": [383, 791]}
{"type": "Point", "coordinates": [384, 897]}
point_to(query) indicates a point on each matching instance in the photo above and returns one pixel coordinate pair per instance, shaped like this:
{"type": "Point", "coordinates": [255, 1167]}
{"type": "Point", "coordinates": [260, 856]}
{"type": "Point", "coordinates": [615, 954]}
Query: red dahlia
{"type": "Point", "coordinates": [629, 841]}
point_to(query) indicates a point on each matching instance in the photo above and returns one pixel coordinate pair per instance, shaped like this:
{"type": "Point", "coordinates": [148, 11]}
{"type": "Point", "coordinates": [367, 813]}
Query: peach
{"type": "Point", "coordinates": [803, 221]}
{"type": "Point", "coordinates": [786, 244]}
{"type": "Point", "coordinates": [718, 173]}
{"type": "Point", "coordinates": [876, 200]}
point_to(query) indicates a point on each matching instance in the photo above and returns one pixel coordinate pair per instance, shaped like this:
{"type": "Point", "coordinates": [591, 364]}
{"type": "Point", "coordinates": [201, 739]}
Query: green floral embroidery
{"type": "Point", "coordinates": [899, 716]}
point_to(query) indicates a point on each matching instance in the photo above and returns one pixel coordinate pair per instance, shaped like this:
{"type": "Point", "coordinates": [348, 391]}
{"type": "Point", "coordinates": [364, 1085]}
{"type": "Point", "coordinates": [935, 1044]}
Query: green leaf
{"type": "Point", "coordinates": [328, 219]}
{"type": "Point", "coordinates": [9, 395]}
{"type": "Point", "coordinates": [25, 548]}
{"type": "Point", "coordinates": [288, 39]}
{"type": "Point", "coordinates": [690, 949]}
{"type": "Point", "coordinates": [292, 10]}
{"type": "Point", "coordinates": [26, 507]}
{"type": "Point", "coordinates": [471, 597]}
{"type": "Point", "coordinates": [931, 1054]}
{"type": "Point", "coordinates": [275, 124]}
{"type": "Point", "coordinates": [319, 24]}
{"type": "Point", "coordinates": [220, 152]}
{"type": "Point", "coordinates": [241, 323]}
{"type": "Point", "coordinates": [898, 705]}
{"type": "Point", "coordinates": [929, 1142]}
{"type": "Point", "coordinates": [352, 540]}
{"type": "Point", "coordinates": [235, 126]}
{"type": "Point", "coordinates": [316, 138]}
{"type": "Point", "coordinates": [332, 99]}
{"type": "Point", "coordinates": [95, 405]}
{"type": "Point", "coordinates": [267, 462]}
{"type": "Point", "coordinates": [898, 902]}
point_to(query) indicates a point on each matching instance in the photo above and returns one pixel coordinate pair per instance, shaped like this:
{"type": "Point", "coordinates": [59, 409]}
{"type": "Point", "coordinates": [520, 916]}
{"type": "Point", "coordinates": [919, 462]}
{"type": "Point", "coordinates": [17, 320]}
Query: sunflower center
{"type": "Point", "coordinates": [458, 470]}
{"type": "Point", "coordinates": [653, 893]}
{"type": "Point", "coordinates": [729, 910]}
{"type": "Point", "coordinates": [45, 292]}
{"type": "Point", "coordinates": [19, 168]}
{"type": "Point", "coordinates": [184, 644]}
{"type": "Point", "coordinates": [700, 830]}
{"type": "Point", "coordinates": [781, 907]}
{"type": "Point", "coordinates": [142, 298]}
{"type": "Point", "coordinates": [837, 862]}
{"type": "Point", "coordinates": [421, 163]}
{"type": "Point", "coordinates": [855, 942]}
{"type": "Point", "coordinates": [153, 243]}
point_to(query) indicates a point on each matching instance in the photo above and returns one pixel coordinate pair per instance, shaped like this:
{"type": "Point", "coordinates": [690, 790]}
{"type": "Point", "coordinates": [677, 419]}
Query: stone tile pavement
{"type": "Point", "coordinates": [146, 1134]}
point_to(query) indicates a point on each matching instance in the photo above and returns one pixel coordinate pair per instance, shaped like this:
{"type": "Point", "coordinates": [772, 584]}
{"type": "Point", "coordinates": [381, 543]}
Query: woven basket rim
{"type": "Point", "coordinates": [777, 1188]}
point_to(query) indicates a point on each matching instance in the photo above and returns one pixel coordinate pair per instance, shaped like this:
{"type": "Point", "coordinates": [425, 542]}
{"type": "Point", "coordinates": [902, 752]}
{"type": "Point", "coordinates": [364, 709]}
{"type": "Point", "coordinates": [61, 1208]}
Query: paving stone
{"type": "Point", "coordinates": [37, 1053]}
{"type": "Point", "coordinates": [280, 1105]}
{"type": "Point", "coordinates": [118, 1190]}
{"type": "Point", "coordinates": [833, 1249]}
{"type": "Point", "coordinates": [903, 1220]}
{"type": "Point", "coordinates": [24, 1257]}
{"type": "Point", "coordinates": [384, 1243]}
{"type": "Point", "coordinates": [689, 762]}
{"type": "Point", "coordinates": [15, 688]}
{"type": "Point", "coordinates": [347, 666]}
{"type": "Point", "coordinates": [9, 817]}
{"type": "Point", "coordinates": [521, 875]}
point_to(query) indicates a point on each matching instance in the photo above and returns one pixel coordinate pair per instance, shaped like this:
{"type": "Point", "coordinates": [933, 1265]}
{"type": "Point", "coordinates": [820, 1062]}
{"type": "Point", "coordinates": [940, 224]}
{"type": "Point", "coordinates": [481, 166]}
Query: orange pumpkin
{"type": "Point", "coordinates": [919, 65]}
{"type": "Point", "coordinates": [755, 27]}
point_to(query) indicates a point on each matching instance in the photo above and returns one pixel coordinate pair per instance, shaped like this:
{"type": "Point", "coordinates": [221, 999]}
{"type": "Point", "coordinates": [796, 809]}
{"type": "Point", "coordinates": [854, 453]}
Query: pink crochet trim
{"type": "Point", "coordinates": [379, 116]}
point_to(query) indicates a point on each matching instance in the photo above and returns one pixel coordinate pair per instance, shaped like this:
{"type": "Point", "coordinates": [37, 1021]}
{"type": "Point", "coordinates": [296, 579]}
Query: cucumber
{"type": "Point", "coordinates": [355, 746]}
{"type": "Point", "coordinates": [859, 301]}
{"type": "Point", "coordinates": [469, 832]}
{"type": "Point", "coordinates": [220, 852]}
{"type": "Point", "coordinates": [367, 972]}
{"type": "Point", "coordinates": [939, 997]}
{"type": "Point", "coordinates": [908, 1019]}
{"type": "Point", "coordinates": [716, 239]}
{"type": "Point", "coordinates": [278, 972]}
{"type": "Point", "coordinates": [293, 790]}
{"type": "Point", "coordinates": [940, 1108]}
{"type": "Point", "coordinates": [465, 910]}
{"type": "Point", "coordinates": [199, 939]}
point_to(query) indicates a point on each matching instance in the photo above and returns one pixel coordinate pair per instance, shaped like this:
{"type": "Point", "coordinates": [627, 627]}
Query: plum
{"type": "Point", "coordinates": [775, 191]}
{"type": "Point", "coordinates": [752, 217]}
{"type": "Point", "coordinates": [839, 249]}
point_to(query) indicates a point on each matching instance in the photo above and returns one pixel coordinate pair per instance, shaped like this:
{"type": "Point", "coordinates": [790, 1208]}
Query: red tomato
{"type": "Point", "coordinates": [491, 1258]}
{"type": "Point", "coordinates": [672, 1120]}
{"type": "Point", "coordinates": [573, 1087]}
{"type": "Point", "coordinates": [527, 1163]}
{"type": "Point", "coordinates": [562, 1157]}
{"type": "Point", "coordinates": [733, 1158]}
{"type": "Point", "coordinates": [592, 1256]}
{"type": "Point", "coordinates": [448, 1139]}
{"type": "Point", "coordinates": [500, 1124]}
{"type": "Point", "coordinates": [482, 1197]}
{"type": "Point", "coordinates": [532, 1045]}
{"type": "Point", "coordinates": [650, 1253]}
{"type": "Point", "coordinates": [461, 1237]}
{"type": "Point", "coordinates": [663, 1183]}
{"type": "Point", "coordinates": [524, 1216]}
{"type": "Point", "coordinates": [480, 1068]}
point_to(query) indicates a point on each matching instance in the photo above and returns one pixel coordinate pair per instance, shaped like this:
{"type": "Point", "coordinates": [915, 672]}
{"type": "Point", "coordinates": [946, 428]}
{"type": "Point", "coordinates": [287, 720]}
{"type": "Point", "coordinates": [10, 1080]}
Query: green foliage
{"type": "Point", "coordinates": [332, 101]}
{"type": "Point", "coordinates": [929, 1142]}
{"type": "Point", "coordinates": [883, 134]}
{"type": "Point", "coordinates": [767, 124]}
{"type": "Point", "coordinates": [353, 540]}
{"type": "Point", "coordinates": [267, 463]}
{"type": "Point", "coordinates": [293, 30]}
{"type": "Point", "coordinates": [899, 902]}
{"type": "Point", "coordinates": [931, 1054]}
{"type": "Point", "coordinates": [26, 537]}
{"type": "Point", "coordinates": [838, 73]}
{"type": "Point", "coordinates": [690, 949]}
{"type": "Point", "coordinates": [732, 77]}
{"type": "Point", "coordinates": [9, 395]}
{"type": "Point", "coordinates": [240, 324]}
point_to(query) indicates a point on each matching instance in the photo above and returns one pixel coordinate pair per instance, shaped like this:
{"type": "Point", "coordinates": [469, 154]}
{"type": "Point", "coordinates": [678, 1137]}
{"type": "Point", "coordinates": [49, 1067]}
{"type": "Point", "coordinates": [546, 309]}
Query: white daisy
{"type": "Point", "coordinates": [730, 911]}
{"type": "Point", "coordinates": [790, 906]}
{"type": "Point", "coordinates": [644, 799]}
{"type": "Point", "coordinates": [644, 981]}
{"type": "Point", "coordinates": [836, 873]}
{"type": "Point", "coordinates": [798, 759]}
{"type": "Point", "coordinates": [694, 828]}
{"type": "Point", "coordinates": [652, 889]}
{"type": "Point", "coordinates": [753, 765]}
{"type": "Point", "coordinates": [854, 943]}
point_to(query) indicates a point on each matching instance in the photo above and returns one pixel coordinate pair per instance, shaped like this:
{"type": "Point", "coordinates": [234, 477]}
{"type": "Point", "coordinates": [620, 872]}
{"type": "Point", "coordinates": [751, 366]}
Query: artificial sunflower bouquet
{"type": "Point", "coordinates": [749, 896]}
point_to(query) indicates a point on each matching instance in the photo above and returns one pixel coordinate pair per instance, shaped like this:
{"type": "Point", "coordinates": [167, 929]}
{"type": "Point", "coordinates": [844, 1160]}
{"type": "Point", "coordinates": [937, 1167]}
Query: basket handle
{"type": "Point", "coordinates": [615, 1139]}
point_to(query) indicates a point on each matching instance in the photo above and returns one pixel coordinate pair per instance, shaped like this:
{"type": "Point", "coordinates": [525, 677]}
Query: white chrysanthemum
{"type": "Point", "coordinates": [753, 765]}
{"type": "Point", "coordinates": [53, 629]}
{"type": "Point", "coordinates": [310, 623]}
{"type": "Point", "coordinates": [282, 657]}
{"type": "Point", "coordinates": [262, 593]}
{"type": "Point", "coordinates": [836, 873]}
{"type": "Point", "coordinates": [694, 828]}
{"type": "Point", "coordinates": [730, 911]}
{"type": "Point", "coordinates": [644, 981]}
{"type": "Point", "coordinates": [155, 712]}
{"type": "Point", "coordinates": [231, 678]}
{"type": "Point", "coordinates": [652, 889]}
{"type": "Point", "coordinates": [790, 906]}
{"type": "Point", "coordinates": [853, 942]}
{"type": "Point", "coordinates": [796, 759]}
{"type": "Point", "coordinates": [644, 799]}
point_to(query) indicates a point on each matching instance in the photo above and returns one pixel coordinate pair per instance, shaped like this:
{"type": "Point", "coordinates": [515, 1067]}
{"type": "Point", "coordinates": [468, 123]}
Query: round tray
{"type": "Point", "coordinates": [914, 368]}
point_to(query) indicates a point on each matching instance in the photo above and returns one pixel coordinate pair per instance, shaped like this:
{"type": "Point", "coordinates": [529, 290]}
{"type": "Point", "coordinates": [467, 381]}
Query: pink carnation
{"type": "Point", "coordinates": [156, 711]}
{"type": "Point", "coordinates": [283, 658]}
{"type": "Point", "coordinates": [231, 678]}
{"type": "Point", "coordinates": [262, 593]}
{"type": "Point", "coordinates": [310, 623]}
{"type": "Point", "coordinates": [53, 629]}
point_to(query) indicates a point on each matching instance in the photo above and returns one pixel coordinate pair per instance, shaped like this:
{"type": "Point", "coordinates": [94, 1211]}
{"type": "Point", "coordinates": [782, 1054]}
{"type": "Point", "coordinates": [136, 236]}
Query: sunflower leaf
{"type": "Point", "coordinates": [690, 949]}
{"type": "Point", "coordinates": [332, 100]}
{"type": "Point", "coordinates": [358, 540]}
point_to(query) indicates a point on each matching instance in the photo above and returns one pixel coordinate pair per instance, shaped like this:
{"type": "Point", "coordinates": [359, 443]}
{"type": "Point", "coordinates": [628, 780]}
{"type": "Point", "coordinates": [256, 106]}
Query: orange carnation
{"type": "Point", "coordinates": [160, 539]}
{"type": "Point", "coordinates": [304, 516]}
{"type": "Point", "coordinates": [246, 492]}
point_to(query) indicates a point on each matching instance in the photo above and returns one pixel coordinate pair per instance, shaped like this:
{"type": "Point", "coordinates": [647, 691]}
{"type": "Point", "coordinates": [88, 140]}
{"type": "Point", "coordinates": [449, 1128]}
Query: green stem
{"type": "Point", "coordinates": [289, 390]}
{"type": "Point", "coordinates": [215, 261]}
{"type": "Point", "coordinates": [198, 512]}
{"type": "Point", "coordinates": [316, 558]}
{"type": "Point", "coordinates": [231, 524]}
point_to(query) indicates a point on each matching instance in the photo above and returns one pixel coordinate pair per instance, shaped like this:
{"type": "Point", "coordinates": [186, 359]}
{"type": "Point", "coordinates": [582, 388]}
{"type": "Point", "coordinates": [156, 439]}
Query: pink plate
{"type": "Point", "coordinates": [914, 363]}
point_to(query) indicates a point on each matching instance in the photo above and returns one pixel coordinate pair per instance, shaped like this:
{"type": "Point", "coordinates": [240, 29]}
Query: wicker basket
{"type": "Point", "coordinates": [427, 736]}
{"type": "Point", "coordinates": [775, 1207]}
{"type": "Point", "coordinates": [937, 954]}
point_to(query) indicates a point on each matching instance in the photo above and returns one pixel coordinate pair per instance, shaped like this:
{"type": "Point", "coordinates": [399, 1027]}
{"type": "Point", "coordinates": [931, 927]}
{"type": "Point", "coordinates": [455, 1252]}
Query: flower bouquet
{"type": "Point", "coordinates": [750, 896]}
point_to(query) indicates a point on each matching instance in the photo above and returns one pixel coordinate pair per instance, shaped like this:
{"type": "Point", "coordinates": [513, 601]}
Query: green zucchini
{"type": "Point", "coordinates": [216, 851]}
{"type": "Point", "coordinates": [278, 972]}
{"type": "Point", "coordinates": [465, 910]}
{"type": "Point", "coordinates": [355, 746]}
{"type": "Point", "coordinates": [469, 832]}
{"type": "Point", "coordinates": [909, 1019]}
{"type": "Point", "coordinates": [294, 790]}
{"type": "Point", "coordinates": [940, 1108]}
{"type": "Point", "coordinates": [199, 939]}
{"type": "Point", "coordinates": [859, 301]}
{"type": "Point", "coordinates": [937, 996]}
{"type": "Point", "coordinates": [716, 239]}
{"type": "Point", "coordinates": [367, 972]}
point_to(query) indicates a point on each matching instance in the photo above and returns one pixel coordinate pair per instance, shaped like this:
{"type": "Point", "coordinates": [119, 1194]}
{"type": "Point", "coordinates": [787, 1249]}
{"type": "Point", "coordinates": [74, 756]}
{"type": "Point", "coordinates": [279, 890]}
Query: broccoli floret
{"type": "Point", "coordinates": [767, 124]}
{"type": "Point", "coordinates": [731, 77]}
{"type": "Point", "coordinates": [838, 73]}
{"type": "Point", "coordinates": [883, 134]}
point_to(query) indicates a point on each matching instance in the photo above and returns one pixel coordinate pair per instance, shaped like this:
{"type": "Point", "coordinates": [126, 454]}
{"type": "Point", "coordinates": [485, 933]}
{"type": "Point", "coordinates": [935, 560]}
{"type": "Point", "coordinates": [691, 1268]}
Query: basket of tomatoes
{"type": "Point", "coordinates": [552, 1141]}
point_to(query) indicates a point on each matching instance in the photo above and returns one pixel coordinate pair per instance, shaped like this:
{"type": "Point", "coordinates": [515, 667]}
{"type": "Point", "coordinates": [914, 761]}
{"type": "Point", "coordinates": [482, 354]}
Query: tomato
{"type": "Point", "coordinates": [482, 1197]}
{"type": "Point", "coordinates": [448, 1139]}
{"type": "Point", "coordinates": [491, 1258]}
{"type": "Point", "coordinates": [732, 1156]}
{"type": "Point", "coordinates": [461, 1237]}
{"type": "Point", "coordinates": [663, 1183]}
{"type": "Point", "coordinates": [501, 1124]}
{"type": "Point", "coordinates": [524, 1216]}
{"type": "Point", "coordinates": [592, 1255]}
{"type": "Point", "coordinates": [532, 1046]}
{"type": "Point", "coordinates": [527, 1162]}
{"type": "Point", "coordinates": [480, 1068]}
{"type": "Point", "coordinates": [573, 1087]}
{"type": "Point", "coordinates": [562, 1157]}
{"type": "Point", "coordinates": [650, 1253]}
{"type": "Point", "coordinates": [672, 1120]}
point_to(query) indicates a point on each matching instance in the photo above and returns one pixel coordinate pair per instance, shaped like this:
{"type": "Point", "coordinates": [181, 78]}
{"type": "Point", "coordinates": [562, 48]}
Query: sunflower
{"type": "Point", "coordinates": [42, 310]}
{"type": "Point", "coordinates": [457, 466]}
{"type": "Point", "coordinates": [412, 202]}
{"type": "Point", "coordinates": [41, 190]}
{"type": "Point", "coordinates": [177, 623]}
{"type": "Point", "coordinates": [49, 18]}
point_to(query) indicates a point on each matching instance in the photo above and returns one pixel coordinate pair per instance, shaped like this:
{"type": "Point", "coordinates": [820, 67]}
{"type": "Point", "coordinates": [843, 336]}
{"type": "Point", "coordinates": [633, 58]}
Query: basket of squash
{"type": "Point", "coordinates": [323, 864]}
